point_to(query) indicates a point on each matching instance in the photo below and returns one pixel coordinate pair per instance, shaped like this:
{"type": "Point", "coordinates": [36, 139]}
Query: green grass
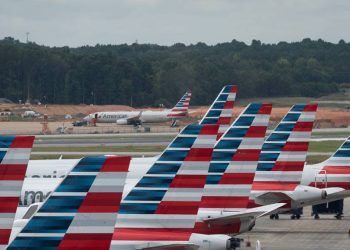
{"type": "Point", "coordinates": [324, 146]}
{"type": "Point", "coordinates": [310, 159]}
{"type": "Point", "coordinates": [313, 159]}
{"type": "Point", "coordinates": [54, 157]}
{"type": "Point", "coordinates": [331, 133]}
{"type": "Point", "coordinates": [152, 148]}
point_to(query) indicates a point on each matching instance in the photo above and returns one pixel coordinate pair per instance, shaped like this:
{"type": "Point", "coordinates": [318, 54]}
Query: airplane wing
{"type": "Point", "coordinates": [247, 214]}
{"type": "Point", "coordinates": [175, 246]}
{"type": "Point", "coordinates": [134, 120]}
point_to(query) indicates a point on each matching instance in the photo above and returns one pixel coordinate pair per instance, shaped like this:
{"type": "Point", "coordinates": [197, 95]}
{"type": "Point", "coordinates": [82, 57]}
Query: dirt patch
{"type": "Point", "coordinates": [326, 117]}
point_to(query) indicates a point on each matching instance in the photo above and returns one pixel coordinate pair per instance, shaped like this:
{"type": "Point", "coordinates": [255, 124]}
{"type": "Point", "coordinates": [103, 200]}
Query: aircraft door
{"type": "Point", "coordinates": [321, 179]}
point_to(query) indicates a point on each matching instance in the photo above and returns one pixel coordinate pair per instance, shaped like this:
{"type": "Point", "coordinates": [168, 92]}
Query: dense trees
{"type": "Point", "coordinates": [151, 74]}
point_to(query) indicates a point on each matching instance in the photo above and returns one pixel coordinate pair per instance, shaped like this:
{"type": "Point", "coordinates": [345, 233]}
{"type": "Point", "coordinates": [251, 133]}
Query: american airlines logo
{"type": "Point", "coordinates": [46, 175]}
{"type": "Point", "coordinates": [31, 197]}
{"type": "Point", "coordinates": [106, 116]}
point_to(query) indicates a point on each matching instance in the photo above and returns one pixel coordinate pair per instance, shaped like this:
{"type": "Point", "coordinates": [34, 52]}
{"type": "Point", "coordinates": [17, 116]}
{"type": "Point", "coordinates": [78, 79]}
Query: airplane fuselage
{"type": "Point", "coordinates": [121, 118]}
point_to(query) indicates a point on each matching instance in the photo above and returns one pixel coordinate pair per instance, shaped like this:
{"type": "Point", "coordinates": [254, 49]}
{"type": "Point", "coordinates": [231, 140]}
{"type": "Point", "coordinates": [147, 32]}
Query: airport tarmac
{"type": "Point", "coordinates": [306, 233]}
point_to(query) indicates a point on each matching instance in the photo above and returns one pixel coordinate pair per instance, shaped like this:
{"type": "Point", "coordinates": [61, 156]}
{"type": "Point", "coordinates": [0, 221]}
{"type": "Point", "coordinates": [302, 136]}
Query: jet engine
{"type": "Point", "coordinates": [213, 242]}
{"type": "Point", "coordinates": [306, 193]}
{"type": "Point", "coordinates": [122, 122]}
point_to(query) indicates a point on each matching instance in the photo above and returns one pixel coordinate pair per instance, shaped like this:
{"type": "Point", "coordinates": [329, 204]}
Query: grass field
{"type": "Point", "coordinates": [324, 146]}
{"type": "Point", "coordinates": [310, 159]}
{"type": "Point", "coordinates": [153, 148]}
{"type": "Point", "coordinates": [313, 159]}
{"type": "Point", "coordinates": [321, 147]}
{"type": "Point", "coordinates": [55, 157]}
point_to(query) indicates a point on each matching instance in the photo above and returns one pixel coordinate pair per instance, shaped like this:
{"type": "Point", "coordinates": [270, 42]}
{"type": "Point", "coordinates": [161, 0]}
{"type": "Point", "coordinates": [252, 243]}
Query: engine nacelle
{"type": "Point", "coordinates": [306, 194]}
{"type": "Point", "coordinates": [211, 242]}
{"type": "Point", "coordinates": [122, 122]}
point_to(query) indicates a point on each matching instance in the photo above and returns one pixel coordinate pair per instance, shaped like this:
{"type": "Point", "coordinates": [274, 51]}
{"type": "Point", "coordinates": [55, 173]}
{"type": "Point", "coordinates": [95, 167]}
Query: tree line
{"type": "Point", "coordinates": [149, 75]}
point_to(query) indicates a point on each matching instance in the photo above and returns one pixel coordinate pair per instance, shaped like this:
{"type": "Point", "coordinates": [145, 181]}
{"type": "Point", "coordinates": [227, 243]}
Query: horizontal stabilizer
{"type": "Point", "coordinates": [336, 193]}
{"type": "Point", "coordinates": [247, 214]}
{"type": "Point", "coordinates": [271, 197]}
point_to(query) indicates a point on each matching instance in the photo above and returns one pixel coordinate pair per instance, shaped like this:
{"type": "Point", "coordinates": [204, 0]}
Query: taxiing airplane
{"type": "Point", "coordinates": [180, 110]}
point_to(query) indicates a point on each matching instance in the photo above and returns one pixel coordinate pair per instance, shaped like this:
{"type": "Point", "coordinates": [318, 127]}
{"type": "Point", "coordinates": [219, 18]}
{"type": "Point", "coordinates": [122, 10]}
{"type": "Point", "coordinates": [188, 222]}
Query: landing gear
{"type": "Point", "coordinates": [234, 243]}
{"type": "Point", "coordinates": [338, 216]}
{"type": "Point", "coordinates": [174, 123]}
{"type": "Point", "coordinates": [293, 217]}
{"type": "Point", "coordinates": [274, 216]}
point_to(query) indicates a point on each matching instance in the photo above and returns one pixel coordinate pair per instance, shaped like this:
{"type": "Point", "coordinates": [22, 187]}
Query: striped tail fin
{"type": "Point", "coordinates": [283, 156]}
{"type": "Point", "coordinates": [81, 212]}
{"type": "Point", "coordinates": [162, 207]}
{"type": "Point", "coordinates": [337, 168]}
{"type": "Point", "coordinates": [220, 112]}
{"type": "Point", "coordinates": [14, 157]}
{"type": "Point", "coordinates": [235, 159]}
{"type": "Point", "coordinates": [181, 108]}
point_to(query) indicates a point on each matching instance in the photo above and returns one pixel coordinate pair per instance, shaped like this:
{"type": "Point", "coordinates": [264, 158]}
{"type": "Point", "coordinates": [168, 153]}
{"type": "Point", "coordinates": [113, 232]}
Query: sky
{"type": "Point", "coordinates": [88, 22]}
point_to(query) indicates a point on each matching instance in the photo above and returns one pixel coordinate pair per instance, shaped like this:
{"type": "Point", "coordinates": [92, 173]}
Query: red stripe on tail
{"type": "Point", "coordinates": [23, 142]}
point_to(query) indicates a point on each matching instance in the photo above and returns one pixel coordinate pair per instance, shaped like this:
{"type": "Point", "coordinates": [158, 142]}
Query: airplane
{"type": "Point", "coordinates": [81, 212]}
{"type": "Point", "coordinates": [136, 118]}
{"type": "Point", "coordinates": [332, 173]}
{"type": "Point", "coordinates": [282, 166]}
{"type": "Point", "coordinates": [14, 157]}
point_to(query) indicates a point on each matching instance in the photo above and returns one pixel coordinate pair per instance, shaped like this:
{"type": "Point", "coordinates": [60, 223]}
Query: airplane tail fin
{"type": "Point", "coordinates": [284, 152]}
{"type": "Point", "coordinates": [220, 112]}
{"type": "Point", "coordinates": [81, 212]}
{"type": "Point", "coordinates": [14, 157]}
{"type": "Point", "coordinates": [235, 159]}
{"type": "Point", "coordinates": [181, 108]}
{"type": "Point", "coordinates": [337, 168]}
{"type": "Point", "coordinates": [163, 206]}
